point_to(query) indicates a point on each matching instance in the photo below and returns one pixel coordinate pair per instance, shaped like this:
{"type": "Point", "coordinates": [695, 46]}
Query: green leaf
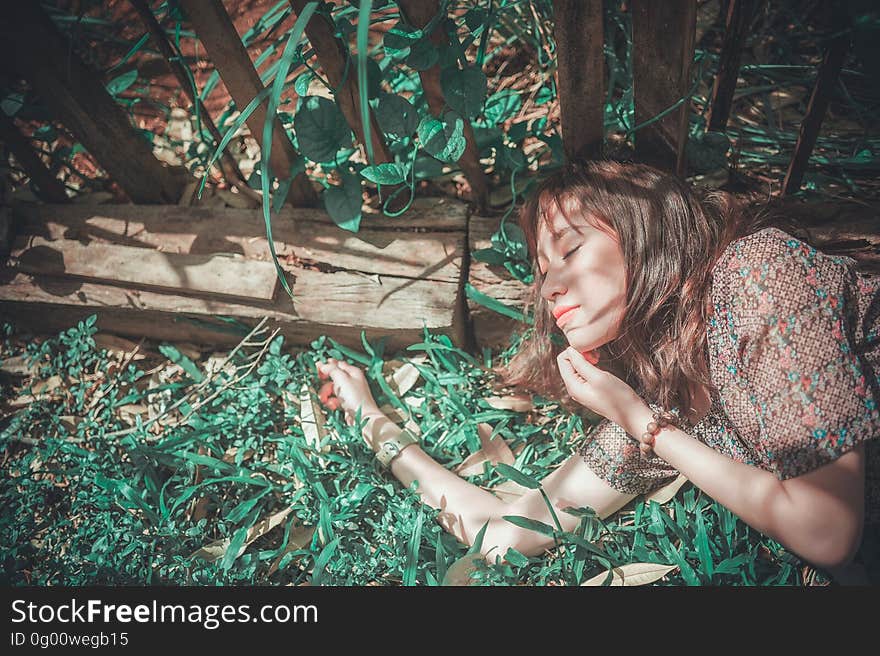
{"type": "Point", "coordinates": [321, 129]}
{"type": "Point", "coordinates": [234, 547]}
{"type": "Point", "coordinates": [544, 95]}
{"type": "Point", "coordinates": [494, 304]}
{"type": "Point", "coordinates": [531, 524]}
{"type": "Point", "coordinates": [399, 39]}
{"type": "Point", "coordinates": [119, 84]}
{"type": "Point", "coordinates": [514, 557]}
{"type": "Point", "coordinates": [344, 203]}
{"type": "Point", "coordinates": [489, 255]}
{"type": "Point", "coordinates": [46, 133]}
{"type": "Point", "coordinates": [396, 116]}
{"type": "Point", "coordinates": [301, 84]}
{"type": "Point", "coordinates": [501, 106]}
{"type": "Point", "coordinates": [322, 560]}
{"type": "Point", "coordinates": [464, 89]}
{"type": "Point", "coordinates": [517, 476]}
{"type": "Point", "coordinates": [443, 139]}
{"type": "Point", "coordinates": [185, 363]}
{"type": "Point", "coordinates": [412, 552]}
{"type": "Point", "coordinates": [387, 174]}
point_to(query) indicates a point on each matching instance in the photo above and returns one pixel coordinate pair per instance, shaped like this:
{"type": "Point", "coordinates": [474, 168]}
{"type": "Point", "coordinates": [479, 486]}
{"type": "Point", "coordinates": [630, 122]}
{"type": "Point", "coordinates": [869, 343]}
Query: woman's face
{"type": "Point", "coordinates": [582, 267]}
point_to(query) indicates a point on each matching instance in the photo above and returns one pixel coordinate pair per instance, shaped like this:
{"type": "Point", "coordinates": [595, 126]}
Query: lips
{"type": "Point", "coordinates": [564, 313]}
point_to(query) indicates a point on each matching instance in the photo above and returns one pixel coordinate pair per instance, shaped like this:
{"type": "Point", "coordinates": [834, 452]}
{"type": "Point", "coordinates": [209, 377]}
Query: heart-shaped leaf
{"type": "Point", "coordinates": [387, 174]}
{"type": "Point", "coordinates": [344, 203]}
{"type": "Point", "coordinates": [321, 129]}
{"type": "Point", "coordinates": [396, 116]}
{"type": "Point", "coordinates": [464, 89]}
{"type": "Point", "coordinates": [444, 139]}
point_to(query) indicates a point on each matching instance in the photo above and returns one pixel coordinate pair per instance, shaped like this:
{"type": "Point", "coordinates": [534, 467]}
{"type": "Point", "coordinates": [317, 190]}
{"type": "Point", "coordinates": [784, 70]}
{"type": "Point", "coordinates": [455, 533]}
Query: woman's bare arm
{"type": "Point", "coordinates": [465, 507]}
{"type": "Point", "coordinates": [818, 515]}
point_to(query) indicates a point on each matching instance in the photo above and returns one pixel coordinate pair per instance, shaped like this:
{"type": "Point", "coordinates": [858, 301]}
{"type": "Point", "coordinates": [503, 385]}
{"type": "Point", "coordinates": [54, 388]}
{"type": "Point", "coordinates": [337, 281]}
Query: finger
{"type": "Point", "coordinates": [567, 370]}
{"type": "Point", "coordinates": [581, 365]}
{"type": "Point", "coordinates": [326, 391]}
{"type": "Point", "coordinates": [332, 403]}
{"type": "Point", "coordinates": [348, 368]}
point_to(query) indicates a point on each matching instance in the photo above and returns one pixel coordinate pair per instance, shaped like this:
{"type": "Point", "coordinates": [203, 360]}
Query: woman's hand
{"type": "Point", "coordinates": [347, 388]}
{"type": "Point", "coordinates": [595, 389]}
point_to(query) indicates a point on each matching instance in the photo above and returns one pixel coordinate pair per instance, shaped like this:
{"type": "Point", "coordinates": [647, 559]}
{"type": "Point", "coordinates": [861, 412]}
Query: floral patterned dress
{"type": "Point", "coordinates": [794, 350]}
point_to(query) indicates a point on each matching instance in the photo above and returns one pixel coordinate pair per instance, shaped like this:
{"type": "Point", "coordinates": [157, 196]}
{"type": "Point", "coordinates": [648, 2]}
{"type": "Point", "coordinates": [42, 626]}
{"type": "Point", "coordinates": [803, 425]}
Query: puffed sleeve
{"type": "Point", "coordinates": [806, 396]}
{"type": "Point", "coordinates": [614, 457]}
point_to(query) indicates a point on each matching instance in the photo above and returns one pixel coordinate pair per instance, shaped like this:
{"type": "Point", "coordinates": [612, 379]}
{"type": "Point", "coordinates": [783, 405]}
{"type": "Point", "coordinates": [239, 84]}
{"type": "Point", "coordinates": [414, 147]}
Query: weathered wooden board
{"type": "Point", "coordinates": [663, 48]}
{"type": "Point", "coordinates": [387, 280]}
{"type": "Point", "coordinates": [426, 246]}
{"type": "Point", "coordinates": [491, 329]}
{"type": "Point", "coordinates": [220, 274]}
{"type": "Point", "coordinates": [580, 76]}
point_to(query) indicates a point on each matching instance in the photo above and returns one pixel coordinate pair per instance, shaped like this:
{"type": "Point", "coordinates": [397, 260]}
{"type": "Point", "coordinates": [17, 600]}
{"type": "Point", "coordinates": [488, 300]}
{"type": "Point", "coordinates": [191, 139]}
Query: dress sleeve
{"type": "Point", "coordinates": [810, 396]}
{"type": "Point", "coordinates": [614, 456]}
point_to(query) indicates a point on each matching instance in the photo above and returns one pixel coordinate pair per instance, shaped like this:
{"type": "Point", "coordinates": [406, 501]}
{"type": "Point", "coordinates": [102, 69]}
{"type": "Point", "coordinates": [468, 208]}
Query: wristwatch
{"type": "Point", "coordinates": [392, 447]}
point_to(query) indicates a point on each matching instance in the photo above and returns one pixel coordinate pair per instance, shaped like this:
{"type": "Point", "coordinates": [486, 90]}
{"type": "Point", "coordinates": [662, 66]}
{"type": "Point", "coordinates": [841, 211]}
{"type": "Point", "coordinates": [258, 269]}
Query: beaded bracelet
{"type": "Point", "coordinates": [661, 419]}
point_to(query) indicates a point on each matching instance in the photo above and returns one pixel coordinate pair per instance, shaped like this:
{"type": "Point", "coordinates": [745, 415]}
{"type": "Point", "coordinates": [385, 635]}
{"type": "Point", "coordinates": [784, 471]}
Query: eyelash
{"type": "Point", "coordinates": [564, 257]}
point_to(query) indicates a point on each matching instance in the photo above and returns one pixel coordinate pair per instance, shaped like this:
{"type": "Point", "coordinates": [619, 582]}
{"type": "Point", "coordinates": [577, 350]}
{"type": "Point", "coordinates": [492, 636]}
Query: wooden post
{"type": "Point", "coordinates": [739, 16]}
{"type": "Point", "coordinates": [419, 13]}
{"type": "Point", "coordinates": [331, 56]}
{"type": "Point", "coordinates": [663, 48]}
{"type": "Point", "coordinates": [829, 71]}
{"type": "Point", "coordinates": [49, 188]}
{"type": "Point", "coordinates": [227, 164]}
{"type": "Point", "coordinates": [34, 48]}
{"type": "Point", "coordinates": [225, 48]}
{"type": "Point", "coordinates": [580, 76]}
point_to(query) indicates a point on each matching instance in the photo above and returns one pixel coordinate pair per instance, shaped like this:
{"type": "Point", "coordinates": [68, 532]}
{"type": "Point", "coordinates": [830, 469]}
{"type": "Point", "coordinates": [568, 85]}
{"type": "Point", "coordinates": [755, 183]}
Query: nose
{"type": "Point", "coordinates": [552, 286]}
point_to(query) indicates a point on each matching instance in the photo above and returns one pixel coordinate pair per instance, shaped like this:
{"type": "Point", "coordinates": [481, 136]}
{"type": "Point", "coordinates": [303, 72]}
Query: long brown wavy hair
{"type": "Point", "coordinates": [670, 236]}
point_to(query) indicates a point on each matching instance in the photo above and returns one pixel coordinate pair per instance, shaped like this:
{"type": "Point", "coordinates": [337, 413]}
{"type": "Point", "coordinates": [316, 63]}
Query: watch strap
{"type": "Point", "coordinates": [392, 447]}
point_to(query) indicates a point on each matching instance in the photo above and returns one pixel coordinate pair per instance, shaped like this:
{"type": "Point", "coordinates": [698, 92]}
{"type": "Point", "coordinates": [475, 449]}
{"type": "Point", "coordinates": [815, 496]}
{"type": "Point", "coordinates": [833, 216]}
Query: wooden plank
{"type": "Point", "coordinates": [48, 187]}
{"type": "Point", "coordinates": [31, 45]}
{"type": "Point", "coordinates": [490, 329]}
{"type": "Point", "coordinates": [739, 17]}
{"type": "Point", "coordinates": [340, 304]}
{"type": "Point", "coordinates": [219, 274]}
{"type": "Point", "coordinates": [663, 49]}
{"type": "Point", "coordinates": [580, 76]}
{"type": "Point", "coordinates": [419, 13]}
{"type": "Point", "coordinates": [429, 247]}
{"type": "Point", "coordinates": [228, 54]}
{"type": "Point", "coordinates": [829, 71]}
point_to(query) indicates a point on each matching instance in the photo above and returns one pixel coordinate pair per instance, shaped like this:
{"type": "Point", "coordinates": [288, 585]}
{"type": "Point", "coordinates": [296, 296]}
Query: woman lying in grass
{"type": "Point", "coordinates": [772, 347]}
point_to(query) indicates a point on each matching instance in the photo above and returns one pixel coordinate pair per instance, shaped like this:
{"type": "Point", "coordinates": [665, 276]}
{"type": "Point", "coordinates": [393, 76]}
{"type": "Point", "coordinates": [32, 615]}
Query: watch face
{"type": "Point", "coordinates": [393, 448]}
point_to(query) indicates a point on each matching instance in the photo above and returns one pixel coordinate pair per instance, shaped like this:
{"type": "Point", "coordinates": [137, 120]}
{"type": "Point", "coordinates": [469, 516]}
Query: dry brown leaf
{"type": "Point", "coordinates": [459, 571]}
{"type": "Point", "coordinates": [668, 491]}
{"type": "Point", "coordinates": [47, 386]}
{"type": "Point", "coordinates": [401, 376]}
{"type": "Point", "coordinates": [518, 403]}
{"type": "Point", "coordinates": [116, 344]}
{"type": "Point", "coordinates": [298, 539]}
{"type": "Point", "coordinates": [218, 548]}
{"type": "Point", "coordinates": [312, 422]}
{"type": "Point", "coordinates": [632, 574]}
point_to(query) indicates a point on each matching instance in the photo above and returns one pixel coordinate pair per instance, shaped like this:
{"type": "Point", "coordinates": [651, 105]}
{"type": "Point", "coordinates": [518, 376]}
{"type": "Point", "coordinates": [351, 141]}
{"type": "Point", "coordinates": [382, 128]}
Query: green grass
{"type": "Point", "coordinates": [226, 487]}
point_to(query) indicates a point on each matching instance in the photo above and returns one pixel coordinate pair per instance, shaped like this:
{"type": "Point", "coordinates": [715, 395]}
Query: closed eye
{"type": "Point", "coordinates": [564, 257]}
